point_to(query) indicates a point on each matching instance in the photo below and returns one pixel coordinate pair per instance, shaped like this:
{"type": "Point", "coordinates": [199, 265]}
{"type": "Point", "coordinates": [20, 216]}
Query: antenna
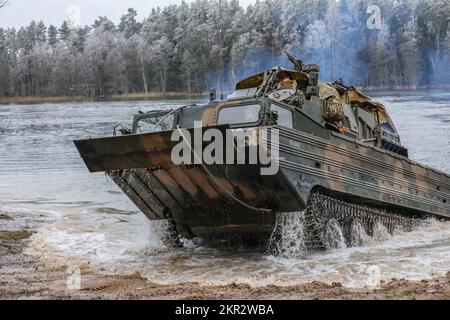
{"type": "Point", "coordinates": [332, 53]}
{"type": "Point", "coordinates": [220, 53]}
{"type": "Point", "coordinates": [332, 25]}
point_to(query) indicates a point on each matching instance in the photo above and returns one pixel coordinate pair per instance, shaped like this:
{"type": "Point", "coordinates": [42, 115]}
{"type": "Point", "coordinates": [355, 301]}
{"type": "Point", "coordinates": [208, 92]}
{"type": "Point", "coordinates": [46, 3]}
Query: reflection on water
{"type": "Point", "coordinates": [42, 178]}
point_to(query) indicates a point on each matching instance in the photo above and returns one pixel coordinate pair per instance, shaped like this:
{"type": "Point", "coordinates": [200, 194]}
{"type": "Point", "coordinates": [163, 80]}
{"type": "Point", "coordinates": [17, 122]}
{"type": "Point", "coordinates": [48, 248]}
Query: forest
{"type": "Point", "coordinates": [191, 46]}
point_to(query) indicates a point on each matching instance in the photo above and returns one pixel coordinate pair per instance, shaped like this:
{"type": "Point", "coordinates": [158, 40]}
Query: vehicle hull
{"type": "Point", "coordinates": [361, 171]}
{"type": "Point", "coordinates": [219, 201]}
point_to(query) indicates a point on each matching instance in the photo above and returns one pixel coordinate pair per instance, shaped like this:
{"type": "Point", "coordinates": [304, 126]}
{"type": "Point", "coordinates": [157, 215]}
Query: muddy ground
{"type": "Point", "coordinates": [25, 277]}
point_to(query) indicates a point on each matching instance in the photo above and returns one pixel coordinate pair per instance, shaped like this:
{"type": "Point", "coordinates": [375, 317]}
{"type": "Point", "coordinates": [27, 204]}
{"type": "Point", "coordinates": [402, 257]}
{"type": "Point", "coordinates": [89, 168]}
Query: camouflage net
{"type": "Point", "coordinates": [334, 108]}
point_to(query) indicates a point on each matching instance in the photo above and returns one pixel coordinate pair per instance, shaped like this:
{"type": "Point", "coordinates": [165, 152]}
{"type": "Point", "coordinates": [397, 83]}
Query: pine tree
{"type": "Point", "coordinates": [128, 24]}
{"type": "Point", "coordinates": [52, 35]}
{"type": "Point", "coordinates": [64, 31]}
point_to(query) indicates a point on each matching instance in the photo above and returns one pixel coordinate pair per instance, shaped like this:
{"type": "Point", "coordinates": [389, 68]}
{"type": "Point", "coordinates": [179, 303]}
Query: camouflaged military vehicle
{"type": "Point", "coordinates": [341, 163]}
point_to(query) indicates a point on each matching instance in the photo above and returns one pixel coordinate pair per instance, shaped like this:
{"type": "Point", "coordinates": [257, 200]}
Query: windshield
{"type": "Point", "coordinates": [239, 114]}
{"type": "Point", "coordinates": [285, 118]}
{"type": "Point", "coordinates": [155, 123]}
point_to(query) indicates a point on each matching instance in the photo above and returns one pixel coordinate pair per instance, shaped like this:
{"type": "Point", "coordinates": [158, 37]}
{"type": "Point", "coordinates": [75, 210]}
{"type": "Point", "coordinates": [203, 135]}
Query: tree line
{"type": "Point", "coordinates": [190, 47]}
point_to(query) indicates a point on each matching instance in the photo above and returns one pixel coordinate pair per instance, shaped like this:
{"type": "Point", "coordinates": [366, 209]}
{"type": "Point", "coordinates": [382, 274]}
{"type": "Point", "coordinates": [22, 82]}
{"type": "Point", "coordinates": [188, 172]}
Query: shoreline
{"type": "Point", "coordinates": [23, 276]}
{"type": "Point", "coordinates": [124, 97]}
{"type": "Point", "coordinates": [406, 88]}
{"type": "Point", "coordinates": [168, 95]}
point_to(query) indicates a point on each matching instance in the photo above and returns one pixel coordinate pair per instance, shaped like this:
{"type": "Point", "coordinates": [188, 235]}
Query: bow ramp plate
{"type": "Point", "coordinates": [135, 161]}
{"type": "Point", "coordinates": [135, 151]}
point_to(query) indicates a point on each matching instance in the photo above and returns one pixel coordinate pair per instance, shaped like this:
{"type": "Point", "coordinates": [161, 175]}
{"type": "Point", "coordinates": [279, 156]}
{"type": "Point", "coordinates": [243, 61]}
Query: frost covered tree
{"type": "Point", "coordinates": [128, 24]}
{"type": "Point", "coordinates": [52, 35]}
{"type": "Point", "coordinates": [178, 47]}
{"type": "Point", "coordinates": [100, 43]}
{"type": "Point", "coordinates": [161, 55]}
{"type": "Point", "coordinates": [3, 3]}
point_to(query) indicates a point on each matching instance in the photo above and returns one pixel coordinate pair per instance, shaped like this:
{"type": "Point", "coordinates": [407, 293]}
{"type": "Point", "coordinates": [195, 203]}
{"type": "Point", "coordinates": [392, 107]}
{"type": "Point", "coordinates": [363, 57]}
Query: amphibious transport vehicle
{"type": "Point", "coordinates": [340, 158]}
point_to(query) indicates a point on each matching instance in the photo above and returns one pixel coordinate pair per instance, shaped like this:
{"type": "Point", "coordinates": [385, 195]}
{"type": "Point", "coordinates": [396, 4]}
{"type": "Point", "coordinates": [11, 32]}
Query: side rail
{"type": "Point", "coordinates": [153, 121]}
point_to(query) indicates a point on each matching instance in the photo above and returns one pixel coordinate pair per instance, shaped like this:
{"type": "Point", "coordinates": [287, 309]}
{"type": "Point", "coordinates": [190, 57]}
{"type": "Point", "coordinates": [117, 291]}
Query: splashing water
{"type": "Point", "coordinates": [288, 237]}
{"type": "Point", "coordinates": [358, 234]}
{"type": "Point", "coordinates": [334, 237]}
{"type": "Point", "coordinates": [108, 243]}
{"type": "Point", "coordinates": [380, 232]}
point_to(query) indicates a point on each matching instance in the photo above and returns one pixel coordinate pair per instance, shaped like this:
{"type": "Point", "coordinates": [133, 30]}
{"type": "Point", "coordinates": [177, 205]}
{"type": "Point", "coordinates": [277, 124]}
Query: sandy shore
{"type": "Point", "coordinates": [25, 277]}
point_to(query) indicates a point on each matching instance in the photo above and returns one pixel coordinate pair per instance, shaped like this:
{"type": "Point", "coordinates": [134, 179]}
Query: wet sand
{"type": "Point", "coordinates": [25, 277]}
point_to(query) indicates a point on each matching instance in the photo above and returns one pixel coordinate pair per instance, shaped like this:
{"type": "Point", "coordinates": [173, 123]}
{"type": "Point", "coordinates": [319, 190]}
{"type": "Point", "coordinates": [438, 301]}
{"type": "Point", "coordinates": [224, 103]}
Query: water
{"type": "Point", "coordinates": [84, 220]}
{"type": "Point", "coordinates": [288, 236]}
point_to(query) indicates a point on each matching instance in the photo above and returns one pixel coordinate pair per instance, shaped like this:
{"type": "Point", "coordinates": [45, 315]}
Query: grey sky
{"type": "Point", "coordinates": [20, 12]}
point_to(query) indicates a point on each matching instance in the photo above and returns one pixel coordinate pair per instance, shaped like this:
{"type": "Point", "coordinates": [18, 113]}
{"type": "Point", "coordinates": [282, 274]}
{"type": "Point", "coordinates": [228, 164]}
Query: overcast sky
{"type": "Point", "coordinates": [20, 12]}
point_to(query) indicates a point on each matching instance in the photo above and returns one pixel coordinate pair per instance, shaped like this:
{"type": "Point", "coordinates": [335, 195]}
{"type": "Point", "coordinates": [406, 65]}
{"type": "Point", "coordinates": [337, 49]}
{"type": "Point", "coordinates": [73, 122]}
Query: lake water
{"type": "Point", "coordinates": [85, 220]}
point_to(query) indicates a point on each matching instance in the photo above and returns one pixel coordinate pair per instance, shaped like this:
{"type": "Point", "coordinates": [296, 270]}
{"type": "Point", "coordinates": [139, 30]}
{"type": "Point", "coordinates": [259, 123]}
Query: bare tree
{"type": "Point", "coordinates": [3, 3]}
